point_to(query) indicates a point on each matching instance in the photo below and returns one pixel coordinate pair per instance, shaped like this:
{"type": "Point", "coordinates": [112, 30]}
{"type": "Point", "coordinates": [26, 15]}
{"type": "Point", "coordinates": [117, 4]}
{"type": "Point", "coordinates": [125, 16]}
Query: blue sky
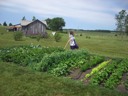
{"type": "Point", "coordinates": [78, 14]}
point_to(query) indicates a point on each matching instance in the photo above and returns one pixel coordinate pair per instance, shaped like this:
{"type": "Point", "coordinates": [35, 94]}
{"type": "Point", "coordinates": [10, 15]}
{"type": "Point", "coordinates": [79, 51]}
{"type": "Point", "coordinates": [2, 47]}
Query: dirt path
{"type": "Point", "coordinates": [77, 74]}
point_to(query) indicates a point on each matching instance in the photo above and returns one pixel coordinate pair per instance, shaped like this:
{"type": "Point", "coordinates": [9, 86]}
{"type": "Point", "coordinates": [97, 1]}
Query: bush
{"type": "Point", "coordinates": [18, 36]}
{"type": "Point", "coordinates": [81, 34]}
{"type": "Point", "coordinates": [57, 37]}
{"type": "Point", "coordinates": [45, 35]}
{"type": "Point", "coordinates": [38, 37]}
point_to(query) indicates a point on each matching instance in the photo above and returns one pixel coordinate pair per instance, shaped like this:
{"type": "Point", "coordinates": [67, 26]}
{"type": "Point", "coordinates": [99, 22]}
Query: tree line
{"type": "Point", "coordinates": [57, 23]}
{"type": "Point", "coordinates": [5, 24]}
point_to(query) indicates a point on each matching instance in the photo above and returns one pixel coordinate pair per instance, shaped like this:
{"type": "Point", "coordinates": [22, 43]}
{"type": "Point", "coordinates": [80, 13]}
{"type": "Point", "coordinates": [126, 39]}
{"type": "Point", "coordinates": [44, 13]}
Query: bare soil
{"type": "Point", "coordinates": [121, 86]}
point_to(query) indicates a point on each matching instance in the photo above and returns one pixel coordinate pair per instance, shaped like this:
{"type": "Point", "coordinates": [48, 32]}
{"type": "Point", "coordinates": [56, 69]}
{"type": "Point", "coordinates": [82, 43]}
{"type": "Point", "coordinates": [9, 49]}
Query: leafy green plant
{"type": "Point", "coordinates": [18, 35]}
{"type": "Point", "coordinates": [115, 78]}
{"type": "Point", "coordinates": [57, 37]}
{"type": "Point", "coordinates": [105, 73]}
{"type": "Point", "coordinates": [92, 61]}
{"type": "Point", "coordinates": [96, 69]}
{"type": "Point", "coordinates": [60, 63]}
{"type": "Point", "coordinates": [26, 55]}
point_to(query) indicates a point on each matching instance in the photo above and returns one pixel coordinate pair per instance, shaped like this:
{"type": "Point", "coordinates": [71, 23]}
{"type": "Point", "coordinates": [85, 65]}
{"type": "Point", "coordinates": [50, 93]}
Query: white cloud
{"type": "Point", "coordinates": [94, 11]}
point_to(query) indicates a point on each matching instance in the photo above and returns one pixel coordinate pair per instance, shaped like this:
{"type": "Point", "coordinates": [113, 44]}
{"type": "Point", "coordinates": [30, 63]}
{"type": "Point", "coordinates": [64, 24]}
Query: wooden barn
{"type": "Point", "coordinates": [34, 28]}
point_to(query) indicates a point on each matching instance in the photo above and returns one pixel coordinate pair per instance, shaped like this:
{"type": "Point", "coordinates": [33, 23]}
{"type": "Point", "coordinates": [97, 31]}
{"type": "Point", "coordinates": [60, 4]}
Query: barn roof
{"type": "Point", "coordinates": [44, 22]}
{"type": "Point", "coordinates": [26, 22]}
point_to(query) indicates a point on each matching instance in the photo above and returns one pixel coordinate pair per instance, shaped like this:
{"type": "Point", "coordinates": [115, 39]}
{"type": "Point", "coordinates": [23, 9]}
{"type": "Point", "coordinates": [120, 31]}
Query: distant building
{"type": "Point", "coordinates": [34, 27]}
{"type": "Point", "coordinates": [16, 27]}
{"type": "Point", "coordinates": [30, 27]}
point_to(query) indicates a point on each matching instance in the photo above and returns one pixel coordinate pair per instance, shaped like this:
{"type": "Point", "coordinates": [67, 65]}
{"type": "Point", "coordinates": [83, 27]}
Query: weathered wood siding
{"type": "Point", "coordinates": [34, 28]}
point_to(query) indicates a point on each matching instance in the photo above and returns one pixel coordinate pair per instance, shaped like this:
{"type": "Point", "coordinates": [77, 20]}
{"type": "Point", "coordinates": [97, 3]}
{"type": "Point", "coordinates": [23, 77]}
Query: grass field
{"type": "Point", "coordinates": [21, 81]}
{"type": "Point", "coordinates": [106, 44]}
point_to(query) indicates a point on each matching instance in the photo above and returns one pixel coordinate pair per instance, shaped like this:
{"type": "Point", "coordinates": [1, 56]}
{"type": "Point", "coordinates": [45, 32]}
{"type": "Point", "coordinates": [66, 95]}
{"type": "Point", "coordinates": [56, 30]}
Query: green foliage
{"type": "Point", "coordinates": [10, 24]}
{"type": "Point", "coordinates": [24, 18]}
{"type": "Point", "coordinates": [92, 61]}
{"type": "Point", "coordinates": [38, 37]}
{"type": "Point", "coordinates": [126, 30]}
{"type": "Point", "coordinates": [81, 34]}
{"type": "Point", "coordinates": [21, 81]}
{"type": "Point", "coordinates": [105, 73]}
{"type": "Point", "coordinates": [88, 37]}
{"type": "Point", "coordinates": [26, 55]}
{"type": "Point", "coordinates": [34, 18]}
{"type": "Point", "coordinates": [48, 20]}
{"type": "Point", "coordinates": [97, 69]}
{"type": "Point", "coordinates": [57, 37]}
{"type": "Point", "coordinates": [112, 46]}
{"type": "Point", "coordinates": [122, 21]}
{"type": "Point", "coordinates": [56, 24]}
{"type": "Point", "coordinates": [18, 35]}
{"type": "Point", "coordinates": [59, 63]}
{"type": "Point", "coordinates": [116, 76]}
{"type": "Point", "coordinates": [4, 24]}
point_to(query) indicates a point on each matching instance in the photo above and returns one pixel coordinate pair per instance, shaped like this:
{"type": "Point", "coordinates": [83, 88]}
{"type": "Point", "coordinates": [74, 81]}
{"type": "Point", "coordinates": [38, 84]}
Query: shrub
{"type": "Point", "coordinates": [45, 35]}
{"type": "Point", "coordinates": [18, 36]}
{"type": "Point", "coordinates": [57, 37]}
{"type": "Point", "coordinates": [38, 37]}
{"type": "Point", "coordinates": [81, 34]}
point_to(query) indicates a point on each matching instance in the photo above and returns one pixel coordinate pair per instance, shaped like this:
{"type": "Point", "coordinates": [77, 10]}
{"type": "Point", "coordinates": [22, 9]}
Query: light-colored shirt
{"type": "Point", "coordinates": [72, 38]}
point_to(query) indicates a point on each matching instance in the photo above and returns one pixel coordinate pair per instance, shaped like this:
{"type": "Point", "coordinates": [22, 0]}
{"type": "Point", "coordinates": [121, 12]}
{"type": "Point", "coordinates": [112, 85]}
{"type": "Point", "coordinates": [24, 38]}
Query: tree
{"type": "Point", "coordinates": [4, 24]}
{"type": "Point", "coordinates": [48, 20]}
{"type": "Point", "coordinates": [127, 30]}
{"type": "Point", "coordinates": [126, 25]}
{"type": "Point", "coordinates": [56, 24]}
{"type": "Point", "coordinates": [34, 18]}
{"type": "Point", "coordinates": [10, 24]}
{"type": "Point", "coordinates": [24, 18]}
{"type": "Point", "coordinates": [122, 22]}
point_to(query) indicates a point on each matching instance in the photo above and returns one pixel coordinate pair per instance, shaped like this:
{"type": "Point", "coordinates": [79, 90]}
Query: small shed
{"type": "Point", "coordinates": [34, 28]}
{"type": "Point", "coordinates": [16, 27]}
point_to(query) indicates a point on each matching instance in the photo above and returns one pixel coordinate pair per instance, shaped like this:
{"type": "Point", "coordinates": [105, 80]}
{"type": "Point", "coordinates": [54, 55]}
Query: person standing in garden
{"type": "Point", "coordinates": [73, 44]}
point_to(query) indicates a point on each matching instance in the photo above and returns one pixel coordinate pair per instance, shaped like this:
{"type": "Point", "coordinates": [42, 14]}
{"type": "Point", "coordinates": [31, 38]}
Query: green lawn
{"type": "Point", "coordinates": [21, 81]}
{"type": "Point", "coordinates": [106, 44]}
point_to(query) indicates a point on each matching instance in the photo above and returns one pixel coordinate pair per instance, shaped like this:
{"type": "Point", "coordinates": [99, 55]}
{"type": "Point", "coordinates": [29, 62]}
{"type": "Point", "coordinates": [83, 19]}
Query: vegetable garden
{"type": "Point", "coordinates": [104, 71]}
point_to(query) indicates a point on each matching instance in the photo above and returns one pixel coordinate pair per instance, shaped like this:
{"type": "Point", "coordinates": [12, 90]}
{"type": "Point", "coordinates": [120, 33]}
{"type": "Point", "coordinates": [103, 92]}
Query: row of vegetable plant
{"type": "Point", "coordinates": [26, 55]}
{"type": "Point", "coordinates": [97, 69]}
{"type": "Point", "coordinates": [64, 67]}
{"type": "Point", "coordinates": [116, 76]}
{"type": "Point", "coordinates": [56, 61]}
{"type": "Point", "coordinates": [61, 63]}
{"type": "Point", "coordinates": [93, 61]}
{"type": "Point", "coordinates": [105, 73]}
